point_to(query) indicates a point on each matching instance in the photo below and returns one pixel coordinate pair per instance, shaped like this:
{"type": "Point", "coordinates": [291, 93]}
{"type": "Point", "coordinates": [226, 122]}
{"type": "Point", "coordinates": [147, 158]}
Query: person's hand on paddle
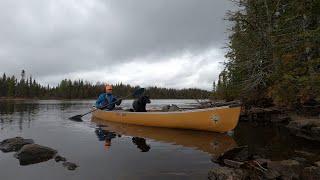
{"type": "Point", "coordinates": [103, 107]}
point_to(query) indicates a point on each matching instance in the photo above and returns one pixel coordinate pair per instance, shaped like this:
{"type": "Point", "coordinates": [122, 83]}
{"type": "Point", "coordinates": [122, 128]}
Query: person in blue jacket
{"type": "Point", "coordinates": [107, 98]}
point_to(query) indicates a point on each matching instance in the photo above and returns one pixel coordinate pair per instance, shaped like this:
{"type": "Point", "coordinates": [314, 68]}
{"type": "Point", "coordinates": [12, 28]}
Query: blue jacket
{"type": "Point", "coordinates": [106, 98]}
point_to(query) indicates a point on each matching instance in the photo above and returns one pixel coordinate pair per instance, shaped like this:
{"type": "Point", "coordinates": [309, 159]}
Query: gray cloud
{"type": "Point", "coordinates": [60, 38]}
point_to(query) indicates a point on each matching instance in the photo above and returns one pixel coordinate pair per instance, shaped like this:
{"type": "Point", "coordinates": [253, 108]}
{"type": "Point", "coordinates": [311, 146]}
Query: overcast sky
{"type": "Point", "coordinates": [166, 43]}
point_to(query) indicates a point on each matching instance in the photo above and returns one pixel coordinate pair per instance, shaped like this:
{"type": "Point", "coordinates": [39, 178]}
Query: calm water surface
{"type": "Point", "coordinates": [134, 152]}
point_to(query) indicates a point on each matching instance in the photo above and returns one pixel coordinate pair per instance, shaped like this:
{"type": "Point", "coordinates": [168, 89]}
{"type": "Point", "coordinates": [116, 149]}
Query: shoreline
{"type": "Point", "coordinates": [305, 124]}
{"type": "Point", "coordinates": [26, 99]}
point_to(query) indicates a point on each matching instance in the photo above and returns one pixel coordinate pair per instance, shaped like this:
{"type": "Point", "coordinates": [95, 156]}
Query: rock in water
{"type": "Point", "coordinates": [59, 158]}
{"type": "Point", "coordinates": [69, 165]}
{"type": "Point", "coordinates": [14, 144]}
{"type": "Point", "coordinates": [34, 153]}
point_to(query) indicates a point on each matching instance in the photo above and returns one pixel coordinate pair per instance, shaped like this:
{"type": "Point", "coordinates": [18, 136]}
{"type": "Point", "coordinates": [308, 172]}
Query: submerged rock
{"type": "Point", "coordinates": [34, 153]}
{"type": "Point", "coordinates": [59, 158]}
{"type": "Point", "coordinates": [14, 144]}
{"type": "Point", "coordinates": [236, 153]}
{"type": "Point", "coordinates": [69, 165]}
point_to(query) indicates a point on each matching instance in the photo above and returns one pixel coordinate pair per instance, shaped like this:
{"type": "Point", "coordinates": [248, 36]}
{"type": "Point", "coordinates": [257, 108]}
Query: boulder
{"type": "Point", "coordinates": [257, 114]}
{"type": "Point", "coordinates": [305, 128]}
{"type": "Point", "coordinates": [289, 169]}
{"type": "Point", "coordinates": [236, 153]}
{"type": "Point", "coordinates": [283, 118]}
{"type": "Point", "coordinates": [233, 164]}
{"type": "Point", "coordinates": [225, 173]}
{"type": "Point", "coordinates": [310, 110]}
{"type": "Point", "coordinates": [34, 153]}
{"type": "Point", "coordinates": [267, 169]}
{"type": "Point", "coordinates": [14, 144]}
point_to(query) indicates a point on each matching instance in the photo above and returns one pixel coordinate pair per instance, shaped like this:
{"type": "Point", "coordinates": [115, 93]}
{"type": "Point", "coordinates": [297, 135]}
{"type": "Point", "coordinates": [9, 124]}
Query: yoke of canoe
{"type": "Point", "coordinates": [217, 119]}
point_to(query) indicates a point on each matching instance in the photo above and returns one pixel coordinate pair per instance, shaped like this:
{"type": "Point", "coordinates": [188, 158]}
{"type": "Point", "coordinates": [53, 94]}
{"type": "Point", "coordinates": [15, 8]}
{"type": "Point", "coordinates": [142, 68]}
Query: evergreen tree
{"type": "Point", "coordinates": [273, 52]}
{"type": "Point", "coordinates": [3, 85]}
{"type": "Point", "coordinates": [11, 86]}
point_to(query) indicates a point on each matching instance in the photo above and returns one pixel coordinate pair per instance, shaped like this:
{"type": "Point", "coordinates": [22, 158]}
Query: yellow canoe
{"type": "Point", "coordinates": [218, 119]}
{"type": "Point", "coordinates": [210, 142]}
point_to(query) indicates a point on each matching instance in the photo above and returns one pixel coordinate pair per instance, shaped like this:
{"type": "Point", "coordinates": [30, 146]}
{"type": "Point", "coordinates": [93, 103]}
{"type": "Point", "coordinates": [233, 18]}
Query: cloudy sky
{"type": "Point", "coordinates": [167, 43]}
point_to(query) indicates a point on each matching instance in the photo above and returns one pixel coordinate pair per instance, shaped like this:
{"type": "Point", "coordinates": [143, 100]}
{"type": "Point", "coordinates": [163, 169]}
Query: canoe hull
{"type": "Point", "coordinates": [220, 119]}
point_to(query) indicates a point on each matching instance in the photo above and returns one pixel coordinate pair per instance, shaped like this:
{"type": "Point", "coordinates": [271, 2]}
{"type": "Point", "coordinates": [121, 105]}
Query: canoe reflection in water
{"type": "Point", "coordinates": [210, 142]}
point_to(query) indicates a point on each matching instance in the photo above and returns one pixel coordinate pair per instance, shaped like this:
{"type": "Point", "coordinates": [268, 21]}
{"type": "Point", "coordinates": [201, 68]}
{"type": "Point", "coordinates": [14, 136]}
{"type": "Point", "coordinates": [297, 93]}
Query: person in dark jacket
{"type": "Point", "coordinates": [107, 100]}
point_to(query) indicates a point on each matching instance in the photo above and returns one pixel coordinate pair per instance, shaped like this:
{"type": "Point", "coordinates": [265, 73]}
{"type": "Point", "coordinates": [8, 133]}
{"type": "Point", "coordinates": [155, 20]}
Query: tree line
{"type": "Point", "coordinates": [11, 87]}
{"type": "Point", "coordinates": [273, 53]}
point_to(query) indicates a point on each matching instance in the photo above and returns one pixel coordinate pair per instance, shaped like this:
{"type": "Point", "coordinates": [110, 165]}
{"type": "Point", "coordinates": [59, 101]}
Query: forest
{"type": "Point", "coordinates": [11, 87]}
{"type": "Point", "coordinates": [273, 53]}
{"type": "Point", "coordinates": [273, 57]}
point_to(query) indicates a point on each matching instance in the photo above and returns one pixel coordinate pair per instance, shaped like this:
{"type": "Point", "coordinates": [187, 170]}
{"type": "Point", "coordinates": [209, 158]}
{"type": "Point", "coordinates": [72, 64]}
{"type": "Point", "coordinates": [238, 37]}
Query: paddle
{"type": "Point", "coordinates": [78, 117]}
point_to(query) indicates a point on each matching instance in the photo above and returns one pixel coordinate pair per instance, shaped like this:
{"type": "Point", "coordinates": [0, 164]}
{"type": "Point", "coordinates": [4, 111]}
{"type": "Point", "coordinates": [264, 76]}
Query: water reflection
{"type": "Point", "coordinates": [213, 143]}
{"type": "Point", "coordinates": [141, 144]}
{"type": "Point", "coordinates": [10, 107]}
{"type": "Point", "coordinates": [23, 112]}
{"type": "Point", "coordinates": [105, 135]}
{"type": "Point", "coordinates": [272, 141]}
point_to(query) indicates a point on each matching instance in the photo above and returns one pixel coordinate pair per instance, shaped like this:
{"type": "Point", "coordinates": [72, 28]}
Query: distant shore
{"type": "Point", "coordinates": [15, 98]}
{"type": "Point", "coordinates": [25, 99]}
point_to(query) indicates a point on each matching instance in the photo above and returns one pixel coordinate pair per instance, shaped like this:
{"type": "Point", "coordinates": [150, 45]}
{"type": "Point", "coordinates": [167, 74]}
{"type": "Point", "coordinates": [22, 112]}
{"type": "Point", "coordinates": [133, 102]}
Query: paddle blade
{"type": "Point", "coordinates": [76, 118]}
{"type": "Point", "coordinates": [138, 92]}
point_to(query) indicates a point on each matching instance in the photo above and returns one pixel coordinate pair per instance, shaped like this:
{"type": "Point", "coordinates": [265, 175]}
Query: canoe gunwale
{"type": "Point", "coordinates": [170, 112]}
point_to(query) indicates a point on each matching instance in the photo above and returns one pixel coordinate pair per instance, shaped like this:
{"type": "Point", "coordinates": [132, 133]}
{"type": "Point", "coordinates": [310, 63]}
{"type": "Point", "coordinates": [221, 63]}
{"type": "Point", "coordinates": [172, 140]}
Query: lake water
{"type": "Point", "coordinates": [105, 150]}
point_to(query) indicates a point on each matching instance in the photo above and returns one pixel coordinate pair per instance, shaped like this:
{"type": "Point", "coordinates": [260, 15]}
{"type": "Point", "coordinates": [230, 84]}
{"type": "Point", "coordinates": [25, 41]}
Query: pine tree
{"type": "Point", "coordinates": [273, 52]}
